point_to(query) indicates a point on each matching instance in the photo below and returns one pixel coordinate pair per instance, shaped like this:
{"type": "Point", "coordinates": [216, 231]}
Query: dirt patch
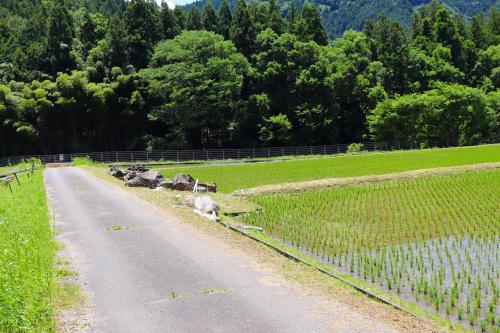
{"type": "Point", "coordinates": [335, 182]}
{"type": "Point", "coordinates": [58, 165]}
{"type": "Point", "coordinates": [74, 312]}
{"type": "Point", "coordinates": [333, 297]}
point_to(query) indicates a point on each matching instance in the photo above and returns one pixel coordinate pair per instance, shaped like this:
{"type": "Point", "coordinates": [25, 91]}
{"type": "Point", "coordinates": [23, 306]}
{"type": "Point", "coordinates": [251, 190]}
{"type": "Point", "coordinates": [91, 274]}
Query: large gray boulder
{"type": "Point", "coordinates": [183, 182]}
{"type": "Point", "coordinates": [117, 173]}
{"type": "Point", "coordinates": [151, 179]}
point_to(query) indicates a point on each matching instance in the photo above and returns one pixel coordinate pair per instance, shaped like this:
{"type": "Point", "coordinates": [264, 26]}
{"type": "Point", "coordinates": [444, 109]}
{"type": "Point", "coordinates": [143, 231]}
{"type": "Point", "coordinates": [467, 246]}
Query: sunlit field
{"type": "Point", "coordinates": [434, 240]}
{"type": "Point", "coordinates": [232, 177]}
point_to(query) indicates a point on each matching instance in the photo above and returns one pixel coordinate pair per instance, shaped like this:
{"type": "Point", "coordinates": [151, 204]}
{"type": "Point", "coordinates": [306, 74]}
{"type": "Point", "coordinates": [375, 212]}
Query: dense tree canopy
{"type": "Point", "coordinates": [143, 23]}
{"type": "Point", "coordinates": [60, 37]}
{"type": "Point", "coordinates": [78, 76]}
{"type": "Point", "coordinates": [194, 84]}
{"type": "Point", "coordinates": [450, 114]}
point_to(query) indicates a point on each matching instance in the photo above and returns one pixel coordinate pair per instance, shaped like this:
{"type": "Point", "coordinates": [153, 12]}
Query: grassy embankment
{"type": "Point", "coordinates": [232, 177]}
{"type": "Point", "coordinates": [23, 165]}
{"type": "Point", "coordinates": [27, 251]}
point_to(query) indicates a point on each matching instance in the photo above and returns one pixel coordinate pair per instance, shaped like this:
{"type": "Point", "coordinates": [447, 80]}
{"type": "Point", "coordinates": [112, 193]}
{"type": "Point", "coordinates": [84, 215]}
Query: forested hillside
{"type": "Point", "coordinates": [86, 75]}
{"type": "Point", "coordinates": [341, 15]}
{"type": "Point", "coordinates": [27, 8]}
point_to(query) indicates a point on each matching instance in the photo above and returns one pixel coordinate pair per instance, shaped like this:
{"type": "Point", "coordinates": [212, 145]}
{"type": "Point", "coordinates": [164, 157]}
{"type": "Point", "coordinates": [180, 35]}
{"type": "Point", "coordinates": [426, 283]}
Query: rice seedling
{"type": "Point", "coordinates": [434, 240]}
{"type": "Point", "coordinates": [232, 177]}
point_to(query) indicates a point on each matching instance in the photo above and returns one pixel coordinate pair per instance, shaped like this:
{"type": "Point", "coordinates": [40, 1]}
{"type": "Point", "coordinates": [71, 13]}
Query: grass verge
{"type": "Point", "coordinates": [27, 251]}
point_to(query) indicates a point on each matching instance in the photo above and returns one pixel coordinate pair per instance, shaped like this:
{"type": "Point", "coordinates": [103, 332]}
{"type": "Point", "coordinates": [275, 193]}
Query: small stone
{"type": "Point", "coordinates": [206, 204]}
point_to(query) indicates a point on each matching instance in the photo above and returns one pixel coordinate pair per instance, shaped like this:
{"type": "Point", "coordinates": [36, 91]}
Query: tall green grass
{"type": "Point", "coordinates": [232, 177]}
{"type": "Point", "coordinates": [26, 257]}
{"type": "Point", "coordinates": [22, 165]}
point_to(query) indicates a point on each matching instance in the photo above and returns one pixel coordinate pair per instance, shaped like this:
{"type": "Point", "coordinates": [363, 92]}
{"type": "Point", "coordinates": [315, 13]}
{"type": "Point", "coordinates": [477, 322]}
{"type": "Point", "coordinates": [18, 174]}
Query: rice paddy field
{"type": "Point", "coordinates": [232, 177]}
{"type": "Point", "coordinates": [434, 241]}
{"type": "Point", "coordinates": [26, 257]}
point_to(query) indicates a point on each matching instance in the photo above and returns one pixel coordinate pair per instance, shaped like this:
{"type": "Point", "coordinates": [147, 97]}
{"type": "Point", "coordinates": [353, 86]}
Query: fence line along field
{"type": "Point", "coordinates": [432, 240]}
{"type": "Point", "coordinates": [232, 177]}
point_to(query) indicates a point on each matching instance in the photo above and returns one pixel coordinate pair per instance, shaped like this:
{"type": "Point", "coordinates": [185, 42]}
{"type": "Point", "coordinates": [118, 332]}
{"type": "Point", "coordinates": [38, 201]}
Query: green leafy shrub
{"type": "Point", "coordinates": [82, 161]}
{"type": "Point", "coordinates": [355, 148]}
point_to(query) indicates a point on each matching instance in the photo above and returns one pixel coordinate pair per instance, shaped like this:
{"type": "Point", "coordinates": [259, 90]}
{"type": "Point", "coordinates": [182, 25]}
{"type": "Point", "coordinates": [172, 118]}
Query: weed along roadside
{"type": "Point", "coordinates": [27, 250]}
{"type": "Point", "coordinates": [35, 281]}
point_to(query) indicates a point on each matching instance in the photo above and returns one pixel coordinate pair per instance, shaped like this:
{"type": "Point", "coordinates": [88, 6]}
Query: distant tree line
{"type": "Point", "coordinates": [339, 16]}
{"type": "Point", "coordinates": [133, 75]}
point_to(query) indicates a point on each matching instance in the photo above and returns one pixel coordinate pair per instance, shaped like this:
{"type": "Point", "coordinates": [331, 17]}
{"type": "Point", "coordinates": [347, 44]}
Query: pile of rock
{"type": "Point", "coordinates": [206, 207]}
{"type": "Point", "coordinates": [202, 205]}
{"type": "Point", "coordinates": [129, 174]}
{"type": "Point", "coordinates": [139, 176]}
{"type": "Point", "coordinates": [183, 182]}
{"type": "Point", "coordinates": [142, 177]}
{"type": "Point", "coordinates": [151, 179]}
{"type": "Point", "coordinates": [117, 173]}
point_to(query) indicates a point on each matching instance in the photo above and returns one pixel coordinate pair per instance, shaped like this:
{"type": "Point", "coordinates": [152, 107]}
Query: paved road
{"type": "Point", "coordinates": [160, 276]}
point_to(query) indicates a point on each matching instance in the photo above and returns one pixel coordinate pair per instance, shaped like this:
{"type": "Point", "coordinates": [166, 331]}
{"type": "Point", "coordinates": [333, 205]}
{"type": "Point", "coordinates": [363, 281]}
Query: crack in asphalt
{"type": "Point", "coordinates": [203, 292]}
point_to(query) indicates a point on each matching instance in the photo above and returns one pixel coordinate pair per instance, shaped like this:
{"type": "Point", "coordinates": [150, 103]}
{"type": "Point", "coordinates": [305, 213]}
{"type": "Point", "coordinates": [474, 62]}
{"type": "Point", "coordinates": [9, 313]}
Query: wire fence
{"type": "Point", "coordinates": [205, 154]}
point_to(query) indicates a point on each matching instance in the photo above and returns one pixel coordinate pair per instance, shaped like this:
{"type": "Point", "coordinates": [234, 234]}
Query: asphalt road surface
{"type": "Point", "coordinates": [158, 275]}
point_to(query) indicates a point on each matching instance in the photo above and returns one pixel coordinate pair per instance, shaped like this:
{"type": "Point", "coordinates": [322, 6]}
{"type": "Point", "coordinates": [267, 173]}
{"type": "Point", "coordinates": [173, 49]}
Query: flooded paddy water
{"type": "Point", "coordinates": [432, 241]}
{"type": "Point", "coordinates": [457, 277]}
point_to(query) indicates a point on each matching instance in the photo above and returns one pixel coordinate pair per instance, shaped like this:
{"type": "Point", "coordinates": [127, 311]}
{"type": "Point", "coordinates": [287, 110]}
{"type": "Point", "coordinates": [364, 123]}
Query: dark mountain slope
{"type": "Point", "coordinates": [28, 8]}
{"type": "Point", "coordinates": [341, 15]}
